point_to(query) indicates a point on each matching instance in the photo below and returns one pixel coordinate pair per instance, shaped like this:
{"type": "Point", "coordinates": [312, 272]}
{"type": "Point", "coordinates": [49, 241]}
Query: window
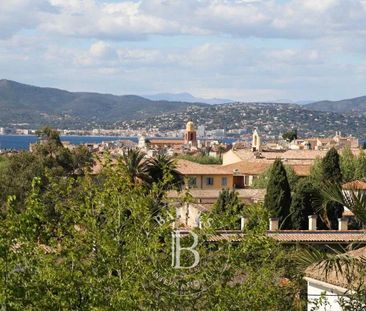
{"type": "Point", "coordinates": [209, 181]}
{"type": "Point", "coordinates": [246, 180]}
{"type": "Point", "coordinates": [192, 182]}
{"type": "Point", "coordinates": [224, 181]}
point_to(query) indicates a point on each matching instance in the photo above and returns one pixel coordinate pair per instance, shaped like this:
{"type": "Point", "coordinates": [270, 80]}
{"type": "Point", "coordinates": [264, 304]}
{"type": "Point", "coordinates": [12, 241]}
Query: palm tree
{"type": "Point", "coordinates": [135, 165]}
{"type": "Point", "coordinates": [163, 169]}
{"type": "Point", "coordinates": [338, 261]}
{"type": "Point", "coordinates": [354, 200]}
{"type": "Point", "coordinates": [221, 149]}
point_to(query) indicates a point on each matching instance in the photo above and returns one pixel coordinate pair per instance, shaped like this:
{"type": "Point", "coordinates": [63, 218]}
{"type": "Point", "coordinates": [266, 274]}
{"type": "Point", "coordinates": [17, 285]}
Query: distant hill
{"type": "Point", "coordinates": [186, 97]}
{"type": "Point", "coordinates": [272, 120]}
{"type": "Point", "coordinates": [37, 106]}
{"type": "Point", "coordinates": [347, 106]}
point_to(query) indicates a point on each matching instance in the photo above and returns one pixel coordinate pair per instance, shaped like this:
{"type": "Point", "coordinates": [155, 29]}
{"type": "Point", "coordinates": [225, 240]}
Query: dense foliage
{"type": "Point", "coordinates": [262, 180]}
{"type": "Point", "coordinates": [201, 159]}
{"type": "Point", "coordinates": [332, 174]}
{"type": "Point", "coordinates": [305, 200]}
{"type": "Point", "coordinates": [86, 242]}
{"type": "Point", "coordinates": [290, 136]}
{"type": "Point", "coordinates": [278, 196]}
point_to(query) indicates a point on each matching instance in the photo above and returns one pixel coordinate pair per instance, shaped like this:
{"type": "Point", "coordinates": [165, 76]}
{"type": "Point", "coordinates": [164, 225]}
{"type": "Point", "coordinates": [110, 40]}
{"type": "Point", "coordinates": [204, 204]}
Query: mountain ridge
{"type": "Point", "coordinates": [187, 97]}
{"type": "Point", "coordinates": [351, 105]}
{"type": "Point", "coordinates": [38, 106]}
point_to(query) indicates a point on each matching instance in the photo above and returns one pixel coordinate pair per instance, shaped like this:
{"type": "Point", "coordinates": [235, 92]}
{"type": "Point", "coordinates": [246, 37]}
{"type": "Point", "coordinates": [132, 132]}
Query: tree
{"type": "Point", "coordinates": [360, 170]}
{"type": "Point", "coordinates": [82, 245]}
{"type": "Point", "coordinates": [135, 165]}
{"type": "Point", "coordinates": [305, 201]}
{"type": "Point", "coordinates": [348, 165]}
{"type": "Point", "coordinates": [290, 136]}
{"type": "Point", "coordinates": [331, 167]}
{"type": "Point", "coordinates": [48, 158]}
{"type": "Point", "coordinates": [332, 174]}
{"type": "Point", "coordinates": [316, 172]}
{"type": "Point", "coordinates": [163, 165]}
{"type": "Point", "coordinates": [262, 180]}
{"type": "Point", "coordinates": [278, 195]}
{"type": "Point", "coordinates": [228, 209]}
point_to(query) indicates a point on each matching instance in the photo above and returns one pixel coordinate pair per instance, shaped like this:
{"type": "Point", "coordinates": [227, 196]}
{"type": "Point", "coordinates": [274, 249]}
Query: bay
{"type": "Point", "coordinates": [22, 142]}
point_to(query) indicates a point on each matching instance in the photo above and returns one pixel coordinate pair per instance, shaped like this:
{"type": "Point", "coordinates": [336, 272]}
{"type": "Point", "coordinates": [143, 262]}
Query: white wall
{"type": "Point", "coordinates": [330, 293]}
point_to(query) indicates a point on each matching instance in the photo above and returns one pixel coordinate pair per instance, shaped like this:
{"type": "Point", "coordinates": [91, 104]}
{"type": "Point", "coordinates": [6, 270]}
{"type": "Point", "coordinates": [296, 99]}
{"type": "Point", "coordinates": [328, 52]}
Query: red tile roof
{"type": "Point", "coordinates": [355, 185]}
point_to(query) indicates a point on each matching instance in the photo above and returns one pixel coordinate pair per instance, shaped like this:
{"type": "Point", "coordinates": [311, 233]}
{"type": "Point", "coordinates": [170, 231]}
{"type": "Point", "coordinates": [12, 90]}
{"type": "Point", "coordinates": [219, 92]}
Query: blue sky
{"type": "Point", "coordinates": [238, 49]}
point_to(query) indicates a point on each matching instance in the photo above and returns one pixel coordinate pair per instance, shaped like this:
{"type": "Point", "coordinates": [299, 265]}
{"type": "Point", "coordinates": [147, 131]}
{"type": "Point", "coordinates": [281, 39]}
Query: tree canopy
{"type": "Point", "coordinates": [278, 196]}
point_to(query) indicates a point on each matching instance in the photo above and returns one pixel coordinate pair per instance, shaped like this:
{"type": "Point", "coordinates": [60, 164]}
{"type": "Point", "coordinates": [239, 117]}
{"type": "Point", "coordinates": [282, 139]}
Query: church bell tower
{"type": "Point", "coordinates": [190, 135]}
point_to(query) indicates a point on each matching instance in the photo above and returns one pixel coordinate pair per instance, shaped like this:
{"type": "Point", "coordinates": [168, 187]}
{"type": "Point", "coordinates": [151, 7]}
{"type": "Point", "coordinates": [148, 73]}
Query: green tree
{"type": "Point", "coordinates": [316, 172]}
{"type": "Point", "coordinates": [82, 245]}
{"type": "Point", "coordinates": [331, 167]}
{"type": "Point", "coordinates": [348, 165]}
{"type": "Point", "coordinates": [332, 174]}
{"type": "Point", "coordinates": [48, 157]}
{"type": "Point", "coordinates": [135, 166]}
{"type": "Point", "coordinates": [160, 166]}
{"type": "Point", "coordinates": [360, 170]}
{"type": "Point", "coordinates": [290, 136]}
{"type": "Point", "coordinates": [201, 158]}
{"type": "Point", "coordinates": [278, 196]}
{"type": "Point", "coordinates": [262, 180]}
{"type": "Point", "coordinates": [227, 210]}
{"type": "Point", "coordinates": [305, 201]}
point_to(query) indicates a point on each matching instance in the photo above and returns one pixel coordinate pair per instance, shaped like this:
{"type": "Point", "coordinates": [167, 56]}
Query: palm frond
{"type": "Point", "coordinates": [352, 199]}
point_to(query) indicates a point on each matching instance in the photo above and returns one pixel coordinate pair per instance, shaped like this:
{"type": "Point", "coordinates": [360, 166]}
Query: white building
{"type": "Point", "coordinates": [327, 291]}
{"type": "Point", "coordinates": [201, 131]}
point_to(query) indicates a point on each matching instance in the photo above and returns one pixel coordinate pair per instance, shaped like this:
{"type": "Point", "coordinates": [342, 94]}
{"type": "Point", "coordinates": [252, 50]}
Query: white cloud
{"type": "Point", "coordinates": [302, 48]}
{"type": "Point", "coordinates": [131, 20]}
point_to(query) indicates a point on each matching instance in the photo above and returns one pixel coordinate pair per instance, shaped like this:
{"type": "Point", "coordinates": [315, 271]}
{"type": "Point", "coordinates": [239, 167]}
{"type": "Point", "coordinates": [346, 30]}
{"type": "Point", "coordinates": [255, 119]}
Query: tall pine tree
{"type": "Point", "coordinates": [304, 203]}
{"type": "Point", "coordinates": [332, 174]}
{"type": "Point", "coordinates": [331, 167]}
{"type": "Point", "coordinates": [278, 196]}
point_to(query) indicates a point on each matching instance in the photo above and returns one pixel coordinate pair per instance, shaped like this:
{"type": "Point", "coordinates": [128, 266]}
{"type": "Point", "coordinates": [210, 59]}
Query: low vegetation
{"type": "Point", "coordinates": [201, 159]}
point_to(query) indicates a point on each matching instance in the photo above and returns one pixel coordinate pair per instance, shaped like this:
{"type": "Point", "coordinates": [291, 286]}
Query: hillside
{"type": "Point", "coordinates": [272, 119]}
{"type": "Point", "coordinates": [353, 105]}
{"type": "Point", "coordinates": [37, 106]}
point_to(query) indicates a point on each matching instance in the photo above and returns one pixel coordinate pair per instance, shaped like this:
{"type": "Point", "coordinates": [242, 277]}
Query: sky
{"type": "Point", "coordinates": [248, 50]}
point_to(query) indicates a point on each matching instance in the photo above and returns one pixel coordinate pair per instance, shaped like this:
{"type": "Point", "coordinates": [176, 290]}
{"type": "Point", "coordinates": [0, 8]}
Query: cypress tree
{"type": "Point", "coordinates": [331, 167]}
{"type": "Point", "coordinates": [278, 196]}
{"type": "Point", "coordinates": [228, 209]}
{"type": "Point", "coordinates": [332, 174]}
{"type": "Point", "coordinates": [304, 202]}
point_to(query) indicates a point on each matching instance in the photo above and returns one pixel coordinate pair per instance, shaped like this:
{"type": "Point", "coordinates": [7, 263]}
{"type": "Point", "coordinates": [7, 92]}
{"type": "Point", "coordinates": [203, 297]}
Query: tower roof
{"type": "Point", "coordinates": [190, 126]}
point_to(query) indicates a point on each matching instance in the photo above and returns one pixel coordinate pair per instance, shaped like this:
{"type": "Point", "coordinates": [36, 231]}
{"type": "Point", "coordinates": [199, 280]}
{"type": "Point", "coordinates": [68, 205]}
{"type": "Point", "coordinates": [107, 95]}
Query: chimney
{"type": "Point", "coordinates": [274, 224]}
{"type": "Point", "coordinates": [242, 223]}
{"type": "Point", "coordinates": [343, 224]}
{"type": "Point", "coordinates": [312, 222]}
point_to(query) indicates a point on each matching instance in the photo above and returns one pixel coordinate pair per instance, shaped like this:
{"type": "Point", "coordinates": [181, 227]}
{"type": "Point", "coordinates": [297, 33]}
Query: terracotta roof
{"type": "Point", "coordinates": [300, 236]}
{"type": "Point", "coordinates": [319, 236]}
{"type": "Point", "coordinates": [191, 168]}
{"type": "Point", "coordinates": [301, 169]}
{"type": "Point", "coordinates": [260, 166]}
{"type": "Point", "coordinates": [248, 167]}
{"type": "Point", "coordinates": [350, 280]}
{"type": "Point", "coordinates": [166, 141]}
{"type": "Point", "coordinates": [308, 155]}
{"type": "Point", "coordinates": [257, 194]}
{"type": "Point", "coordinates": [355, 185]}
